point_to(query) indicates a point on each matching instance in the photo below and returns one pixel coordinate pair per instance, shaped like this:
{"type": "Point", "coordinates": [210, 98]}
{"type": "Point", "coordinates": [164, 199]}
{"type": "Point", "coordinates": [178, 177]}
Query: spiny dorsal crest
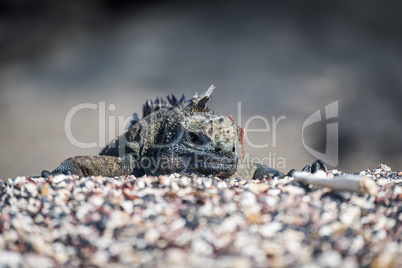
{"type": "Point", "coordinates": [195, 104]}
{"type": "Point", "coordinates": [151, 106]}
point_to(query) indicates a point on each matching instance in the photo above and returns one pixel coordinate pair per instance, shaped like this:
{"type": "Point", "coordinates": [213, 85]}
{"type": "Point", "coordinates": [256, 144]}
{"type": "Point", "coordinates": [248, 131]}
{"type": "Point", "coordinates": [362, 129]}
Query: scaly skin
{"type": "Point", "coordinates": [177, 136]}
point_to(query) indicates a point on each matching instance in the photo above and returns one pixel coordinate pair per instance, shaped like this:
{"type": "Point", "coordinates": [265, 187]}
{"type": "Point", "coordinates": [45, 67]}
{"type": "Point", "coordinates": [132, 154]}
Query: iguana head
{"type": "Point", "coordinates": [186, 137]}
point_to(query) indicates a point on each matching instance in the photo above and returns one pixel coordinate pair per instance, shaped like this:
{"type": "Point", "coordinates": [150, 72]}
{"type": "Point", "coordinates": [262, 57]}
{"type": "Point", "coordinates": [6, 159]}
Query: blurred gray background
{"type": "Point", "coordinates": [276, 58]}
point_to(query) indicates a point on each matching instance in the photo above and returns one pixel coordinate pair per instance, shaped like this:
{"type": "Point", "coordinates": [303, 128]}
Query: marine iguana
{"type": "Point", "coordinates": [174, 136]}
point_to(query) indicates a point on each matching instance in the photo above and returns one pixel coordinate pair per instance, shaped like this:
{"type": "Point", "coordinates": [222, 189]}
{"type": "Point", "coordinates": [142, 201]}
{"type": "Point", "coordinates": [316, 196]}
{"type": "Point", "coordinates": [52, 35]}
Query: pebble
{"type": "Point", "coordinates": [330, 258]}
{"type": "Point", "coordinates": [10, 259]}
{"type": "Point", "coordinates": [293, 190]}
{"type": "Point", "coordinates": [58, 179]}
{"type": "Point", "coordinates": [356, 244]}
{"type": "Point", "coordinates": [193, 221]}
{"type": "Point", "coordinates": [350, 215]}
{"type": "Point", "coordinates": [257, 187]}
{"type": "Point", "coordinates": [350, 262]}
{"type": "Point", "coordinates": [128, 206]}
{"type": "Point", "coordinates": [269, 229]}
{"type": "Point", "coordinates": [248, 199]}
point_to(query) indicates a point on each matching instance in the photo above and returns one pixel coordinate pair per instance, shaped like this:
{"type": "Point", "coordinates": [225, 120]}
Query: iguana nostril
{"type": "Point", "coordinates": [218, 147]}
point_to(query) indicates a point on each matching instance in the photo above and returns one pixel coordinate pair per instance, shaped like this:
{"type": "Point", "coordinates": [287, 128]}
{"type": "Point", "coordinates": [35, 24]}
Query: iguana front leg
{"type": "Point", "coordinates": [85, 166]}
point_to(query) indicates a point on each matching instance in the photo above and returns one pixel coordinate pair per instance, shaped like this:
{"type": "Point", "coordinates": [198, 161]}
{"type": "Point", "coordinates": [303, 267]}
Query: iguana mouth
{"type": "Point", "coordinates": [210, 163]}
{"type": "Point", "coordinates": [217, 169]}
{"type": "Point", "coordinates": [196, 162]}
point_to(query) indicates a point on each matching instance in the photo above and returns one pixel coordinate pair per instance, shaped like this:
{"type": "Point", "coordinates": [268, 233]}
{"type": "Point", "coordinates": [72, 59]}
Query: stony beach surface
{"type": "Point", "coordinates": [192, 221]}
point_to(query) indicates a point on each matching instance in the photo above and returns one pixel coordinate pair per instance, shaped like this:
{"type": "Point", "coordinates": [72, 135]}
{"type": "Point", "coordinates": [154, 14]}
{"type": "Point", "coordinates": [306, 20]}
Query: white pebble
{"type": "Point", "coordinates": [330, 258]}
{"type": "Point", "coordinates": [269, 230]}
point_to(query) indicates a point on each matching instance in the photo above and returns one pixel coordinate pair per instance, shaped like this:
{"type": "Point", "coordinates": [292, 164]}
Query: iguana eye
{"type": "Point", "coordinates": [195, 138]}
